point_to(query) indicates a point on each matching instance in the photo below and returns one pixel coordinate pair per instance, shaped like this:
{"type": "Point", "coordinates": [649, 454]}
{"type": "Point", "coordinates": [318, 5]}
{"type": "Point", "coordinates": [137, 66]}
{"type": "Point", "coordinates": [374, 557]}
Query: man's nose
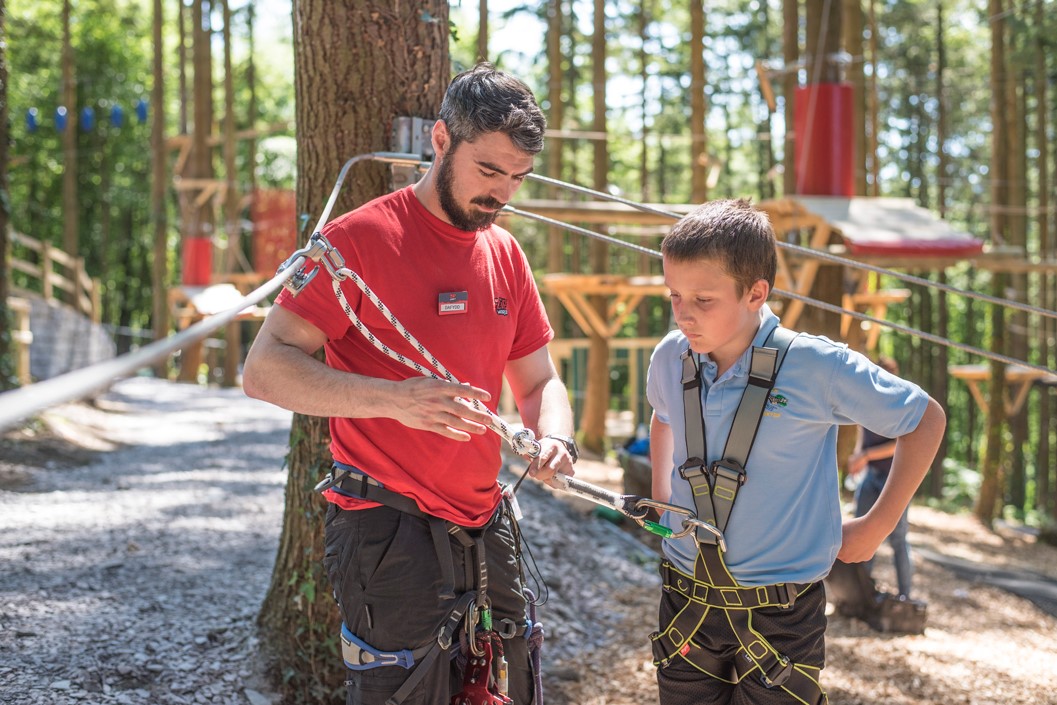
{"type": "Point", "coordinates": [504, 191]}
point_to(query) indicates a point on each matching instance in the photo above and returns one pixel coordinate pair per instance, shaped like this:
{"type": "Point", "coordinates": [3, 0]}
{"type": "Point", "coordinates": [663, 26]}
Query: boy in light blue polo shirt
{"type": "Point", "coordinates": [742, 619]}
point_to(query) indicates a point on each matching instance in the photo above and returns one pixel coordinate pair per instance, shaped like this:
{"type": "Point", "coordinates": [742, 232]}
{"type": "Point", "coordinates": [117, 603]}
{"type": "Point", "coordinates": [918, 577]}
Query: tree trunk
{"type": "Point", "coordinates": [159, 178]}
{"type": "Point", "coordinates": [555, 235]}
{"type": "Point", "coordinates": [7, 368]}
{"type": "Point", "coordinates": [699, 162]}
{"type": "Point", "coordinates": [853, 33]}
{"type": "Point", "coordinates": [596, 395]}
{"type": "Point", "coordinates": [482, 30]}
{"type": "Point", "coordinates": [1043, 458]}
{"type": "Point", "coordinates": [388, 62]}
{"type": "Point", "coordinates": [991, 461]}
{"type": "Point", "coordinates": [70, 208]}
{"type": "Point", "coordinates": [872, 108]}
{"type": "Point", "coordinates": [941, 116]}
{"type": "Point", "coordinates": [790, 55]}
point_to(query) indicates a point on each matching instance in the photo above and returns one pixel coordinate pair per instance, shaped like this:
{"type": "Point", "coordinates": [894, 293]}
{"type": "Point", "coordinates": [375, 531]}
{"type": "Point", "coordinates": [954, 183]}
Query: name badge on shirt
{"type": "Point", "coordinates": [453, 302]}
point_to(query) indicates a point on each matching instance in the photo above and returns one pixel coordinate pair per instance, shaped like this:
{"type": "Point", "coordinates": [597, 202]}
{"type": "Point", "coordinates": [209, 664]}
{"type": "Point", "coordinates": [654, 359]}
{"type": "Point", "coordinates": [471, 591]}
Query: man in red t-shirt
{"type": "Point", "coordinates": [463, 288]}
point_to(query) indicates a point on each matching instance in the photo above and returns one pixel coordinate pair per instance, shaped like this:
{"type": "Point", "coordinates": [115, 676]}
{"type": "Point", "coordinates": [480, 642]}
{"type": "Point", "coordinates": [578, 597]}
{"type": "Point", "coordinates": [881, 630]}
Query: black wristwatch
{"type": "Point", "coordinates": [570, 445]}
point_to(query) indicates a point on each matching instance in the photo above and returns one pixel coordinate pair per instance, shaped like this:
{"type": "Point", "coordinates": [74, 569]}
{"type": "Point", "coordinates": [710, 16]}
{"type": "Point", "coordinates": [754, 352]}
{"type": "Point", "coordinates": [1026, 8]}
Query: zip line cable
{"type": "Point", "coordinates": [21, 403]}
{"type": "Point", "coordinates": [832, 308]}
{"type": "Point", "coordinates": [806, 251]}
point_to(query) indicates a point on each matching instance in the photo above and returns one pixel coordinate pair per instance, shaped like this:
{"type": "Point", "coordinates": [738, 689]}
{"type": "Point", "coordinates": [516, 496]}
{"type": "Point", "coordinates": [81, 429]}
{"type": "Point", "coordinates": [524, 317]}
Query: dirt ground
{"type": "Point", "coordinates": [982, 645]}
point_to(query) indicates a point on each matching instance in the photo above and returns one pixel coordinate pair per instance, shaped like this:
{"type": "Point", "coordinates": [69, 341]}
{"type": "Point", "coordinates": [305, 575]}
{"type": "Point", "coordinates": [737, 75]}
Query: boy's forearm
{"type": "Point", "coordinates": [913, 456]}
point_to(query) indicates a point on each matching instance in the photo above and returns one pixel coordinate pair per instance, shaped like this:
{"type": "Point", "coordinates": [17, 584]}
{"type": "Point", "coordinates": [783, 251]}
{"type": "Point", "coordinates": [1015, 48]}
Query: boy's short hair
{"type": "Point", "coordinates": [730, 232]}
{"type": "Point", "coordinates": [484, 99]}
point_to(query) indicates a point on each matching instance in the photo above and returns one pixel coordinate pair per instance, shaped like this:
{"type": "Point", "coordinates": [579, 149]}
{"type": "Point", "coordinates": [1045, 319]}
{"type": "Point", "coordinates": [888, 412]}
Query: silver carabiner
{"type": "Point", "coordinates": [692, 523]}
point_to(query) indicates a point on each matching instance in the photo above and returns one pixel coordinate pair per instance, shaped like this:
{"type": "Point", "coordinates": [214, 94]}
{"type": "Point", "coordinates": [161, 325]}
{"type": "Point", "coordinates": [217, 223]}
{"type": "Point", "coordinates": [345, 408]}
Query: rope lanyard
{"type": "Point", "coordinates": [522, 442]}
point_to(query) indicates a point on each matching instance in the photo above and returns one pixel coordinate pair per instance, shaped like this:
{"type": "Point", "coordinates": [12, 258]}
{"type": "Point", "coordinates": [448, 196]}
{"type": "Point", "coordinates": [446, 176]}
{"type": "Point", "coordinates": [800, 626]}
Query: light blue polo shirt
{"type": "Point", "coordinates": [786, 521]}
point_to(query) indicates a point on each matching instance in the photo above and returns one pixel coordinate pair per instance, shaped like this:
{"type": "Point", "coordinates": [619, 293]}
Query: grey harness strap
{"type": "Point", "coordinates": [715, 488]}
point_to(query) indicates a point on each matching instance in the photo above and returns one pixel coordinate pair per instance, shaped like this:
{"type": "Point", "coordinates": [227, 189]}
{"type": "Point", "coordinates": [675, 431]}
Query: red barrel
{"type": "Point", "coordinates": [197, 262]}
{"type": "Point", "coordinates": [825, 143]}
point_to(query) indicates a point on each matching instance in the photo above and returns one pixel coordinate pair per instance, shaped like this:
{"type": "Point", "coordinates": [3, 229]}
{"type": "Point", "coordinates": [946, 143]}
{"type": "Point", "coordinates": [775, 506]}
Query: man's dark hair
{"type": "Point", "coordinates": [731, 233]}
{"type": "Point", "coordinates": [484, 99]}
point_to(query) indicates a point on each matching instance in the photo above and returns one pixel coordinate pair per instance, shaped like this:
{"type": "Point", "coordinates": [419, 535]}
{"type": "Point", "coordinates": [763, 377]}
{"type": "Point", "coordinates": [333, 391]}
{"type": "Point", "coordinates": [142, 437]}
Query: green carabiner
{"type": "Point", "coordinates": [486, 619]}
{"type": "Point", "coordinates": [659, 529]}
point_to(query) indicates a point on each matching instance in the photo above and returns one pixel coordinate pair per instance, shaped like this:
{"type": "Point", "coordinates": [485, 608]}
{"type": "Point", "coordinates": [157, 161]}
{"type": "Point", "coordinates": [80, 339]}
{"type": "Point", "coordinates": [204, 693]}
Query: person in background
{"type": "Point", "coordinates": [872, 459]}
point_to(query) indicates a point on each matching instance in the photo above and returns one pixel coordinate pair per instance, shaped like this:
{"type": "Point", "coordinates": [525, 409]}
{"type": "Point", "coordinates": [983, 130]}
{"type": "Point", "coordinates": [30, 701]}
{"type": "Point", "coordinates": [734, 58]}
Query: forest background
{"type": "Point", "coordinates": [969, 133]}
{"type": "Point", "coordinates": [932, 143]}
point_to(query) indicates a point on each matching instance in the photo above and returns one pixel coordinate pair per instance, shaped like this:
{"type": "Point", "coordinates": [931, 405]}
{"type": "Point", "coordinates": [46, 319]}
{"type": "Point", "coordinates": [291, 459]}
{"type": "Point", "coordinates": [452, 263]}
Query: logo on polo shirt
{"type": "Point", "coordinates": [776, 401]}
{"type": "Point", "coordinates": [501, 306]}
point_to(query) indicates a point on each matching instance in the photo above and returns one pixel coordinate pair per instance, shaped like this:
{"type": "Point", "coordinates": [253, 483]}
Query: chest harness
{"type": "Point", "coordinates": [715, 487]}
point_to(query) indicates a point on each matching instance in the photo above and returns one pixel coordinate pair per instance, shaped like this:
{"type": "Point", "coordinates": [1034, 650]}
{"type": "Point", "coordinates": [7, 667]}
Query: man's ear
{"type": "Point", "coordinates": [440, 138]}
{"type": "Point", "coordinates": [758, 294]}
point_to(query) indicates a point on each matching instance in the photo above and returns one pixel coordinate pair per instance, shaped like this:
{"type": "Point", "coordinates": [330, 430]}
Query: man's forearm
{"type": "Point", "coordinates": [290, 378]}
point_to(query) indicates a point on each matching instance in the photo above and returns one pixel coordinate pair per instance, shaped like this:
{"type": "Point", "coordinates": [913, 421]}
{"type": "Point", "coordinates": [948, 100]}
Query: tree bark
{"type": "Point", "coordinates": [70, 208]}
{"type": "Point", "coordinates": [358, 65]}
{"type": "Point", "coordinates": [790, 56]}
{"type": "Point", "coordinates": [699, 162]}
{"type": "Point", "coordinates": [555, 109]}
{"type": "Point", "coordinates": [7, 367]}
{"type": "Point", "coordinates": [159, 179]}
{"type": "Point", "coordinates": [991, 461]}
{"type": "Point", "coordinates": [596, 394]}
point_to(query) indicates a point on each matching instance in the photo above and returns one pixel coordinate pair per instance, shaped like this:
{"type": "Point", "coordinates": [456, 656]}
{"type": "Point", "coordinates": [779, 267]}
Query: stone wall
{"type": "Point", "coordinates": [64, 340]}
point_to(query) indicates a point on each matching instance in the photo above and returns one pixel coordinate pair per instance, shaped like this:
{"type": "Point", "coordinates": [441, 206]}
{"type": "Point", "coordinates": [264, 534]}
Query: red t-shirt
{"type": "Point", "coordinates": [412, 260]}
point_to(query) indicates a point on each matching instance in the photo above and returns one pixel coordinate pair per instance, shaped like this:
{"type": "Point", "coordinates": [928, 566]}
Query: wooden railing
{"type": "Point", "coordinates": [53, 274]}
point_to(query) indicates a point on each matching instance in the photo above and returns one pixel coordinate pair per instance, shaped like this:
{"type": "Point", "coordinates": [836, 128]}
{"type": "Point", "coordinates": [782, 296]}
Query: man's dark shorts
{"type": "Point", "coordinates": [386, 577]}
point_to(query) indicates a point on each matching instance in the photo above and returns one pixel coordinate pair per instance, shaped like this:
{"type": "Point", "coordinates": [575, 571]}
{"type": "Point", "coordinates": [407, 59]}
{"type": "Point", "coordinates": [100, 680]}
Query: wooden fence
{"type": "Point", "coordinates": [53, 274]}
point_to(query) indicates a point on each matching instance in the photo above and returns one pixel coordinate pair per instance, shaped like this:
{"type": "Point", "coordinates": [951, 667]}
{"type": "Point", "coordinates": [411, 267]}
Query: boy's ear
{"type": "Point", "coordinates": [758, 294]}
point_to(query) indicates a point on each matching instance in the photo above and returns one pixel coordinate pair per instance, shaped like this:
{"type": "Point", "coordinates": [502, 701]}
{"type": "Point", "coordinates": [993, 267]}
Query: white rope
{"type": "Point", "coordinates": [522, 442]}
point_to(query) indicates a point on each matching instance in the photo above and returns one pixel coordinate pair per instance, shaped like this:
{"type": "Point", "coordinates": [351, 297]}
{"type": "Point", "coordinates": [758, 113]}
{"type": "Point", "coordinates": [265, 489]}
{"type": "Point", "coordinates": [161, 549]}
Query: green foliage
{"type": "Point", "coordinates": [961, 484]}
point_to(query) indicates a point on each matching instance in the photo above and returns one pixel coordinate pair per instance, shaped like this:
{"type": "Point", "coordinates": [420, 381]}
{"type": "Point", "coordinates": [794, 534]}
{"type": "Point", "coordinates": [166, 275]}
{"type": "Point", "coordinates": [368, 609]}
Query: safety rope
{"type": "Point", "coordinates": [522, 442]}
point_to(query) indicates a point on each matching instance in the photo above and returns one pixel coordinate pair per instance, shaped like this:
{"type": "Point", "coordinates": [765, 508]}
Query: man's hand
{"type": "Point", "coordinates": [553, 458]}
{"type": "Point", "coordinates": [441, 407]}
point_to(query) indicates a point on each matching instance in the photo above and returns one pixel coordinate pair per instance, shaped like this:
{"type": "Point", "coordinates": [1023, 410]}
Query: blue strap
{"type": "Point", "coordinates": [361, 656]}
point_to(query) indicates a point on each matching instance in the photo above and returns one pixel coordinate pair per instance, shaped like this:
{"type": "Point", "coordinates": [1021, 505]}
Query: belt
{"type": "Point", "coordinates": [730, 598]}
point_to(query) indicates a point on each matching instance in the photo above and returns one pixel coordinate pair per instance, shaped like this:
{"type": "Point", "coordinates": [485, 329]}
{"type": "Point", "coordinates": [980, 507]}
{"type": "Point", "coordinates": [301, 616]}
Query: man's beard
{"type": "Point", "coordinates": [470, 221]}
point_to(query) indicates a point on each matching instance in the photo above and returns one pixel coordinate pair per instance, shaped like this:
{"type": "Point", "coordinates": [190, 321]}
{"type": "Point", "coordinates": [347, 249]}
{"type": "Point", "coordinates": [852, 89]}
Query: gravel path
{"type": "Point", "coordinates": [137, 577]}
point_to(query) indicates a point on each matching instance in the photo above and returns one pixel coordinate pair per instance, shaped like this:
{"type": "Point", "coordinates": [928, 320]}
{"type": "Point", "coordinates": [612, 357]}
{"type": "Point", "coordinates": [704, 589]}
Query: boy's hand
{"type": "Point", "coordinates": [859, 542]}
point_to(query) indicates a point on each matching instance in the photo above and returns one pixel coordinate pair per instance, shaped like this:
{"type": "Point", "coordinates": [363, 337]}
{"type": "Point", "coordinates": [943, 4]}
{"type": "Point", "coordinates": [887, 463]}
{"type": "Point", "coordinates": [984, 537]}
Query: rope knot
{"type": "Point", "coordinates": [524, 443]}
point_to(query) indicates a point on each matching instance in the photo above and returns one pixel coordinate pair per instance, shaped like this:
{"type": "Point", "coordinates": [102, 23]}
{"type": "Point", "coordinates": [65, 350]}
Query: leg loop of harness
{"type": "Point", "coordinates": [755, 655]}
{"type": "Point", "coordinates": [471, 612]}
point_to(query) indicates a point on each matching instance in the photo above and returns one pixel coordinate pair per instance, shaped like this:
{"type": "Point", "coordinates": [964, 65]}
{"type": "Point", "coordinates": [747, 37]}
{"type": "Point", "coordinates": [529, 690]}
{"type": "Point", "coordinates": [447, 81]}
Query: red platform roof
{"type": "Point", "coordinates": [891, 226]}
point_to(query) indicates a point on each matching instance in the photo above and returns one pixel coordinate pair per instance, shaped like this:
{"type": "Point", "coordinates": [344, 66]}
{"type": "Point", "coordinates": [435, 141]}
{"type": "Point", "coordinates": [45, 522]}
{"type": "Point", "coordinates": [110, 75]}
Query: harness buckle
{"type": "Point", "coordinates": [779, 674]}
{"type": "Point", "coordinates": [692, 467]}
{"type": "Point", "coordinates": [728, 469]}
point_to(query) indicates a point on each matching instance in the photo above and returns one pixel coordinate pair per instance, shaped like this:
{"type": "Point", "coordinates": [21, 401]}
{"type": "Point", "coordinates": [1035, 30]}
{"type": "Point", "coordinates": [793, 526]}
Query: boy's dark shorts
{"type": "Point", "coordinates": [798, 633]}
{"type": "Point", "coordinates": [386, 577]}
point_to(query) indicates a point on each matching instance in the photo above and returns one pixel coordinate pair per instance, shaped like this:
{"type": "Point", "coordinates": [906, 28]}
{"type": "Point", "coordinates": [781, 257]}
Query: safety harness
{"type": "Point", "coordinates": [469, 611]}
{"type": "Point", "coordinates": [715, 488]}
